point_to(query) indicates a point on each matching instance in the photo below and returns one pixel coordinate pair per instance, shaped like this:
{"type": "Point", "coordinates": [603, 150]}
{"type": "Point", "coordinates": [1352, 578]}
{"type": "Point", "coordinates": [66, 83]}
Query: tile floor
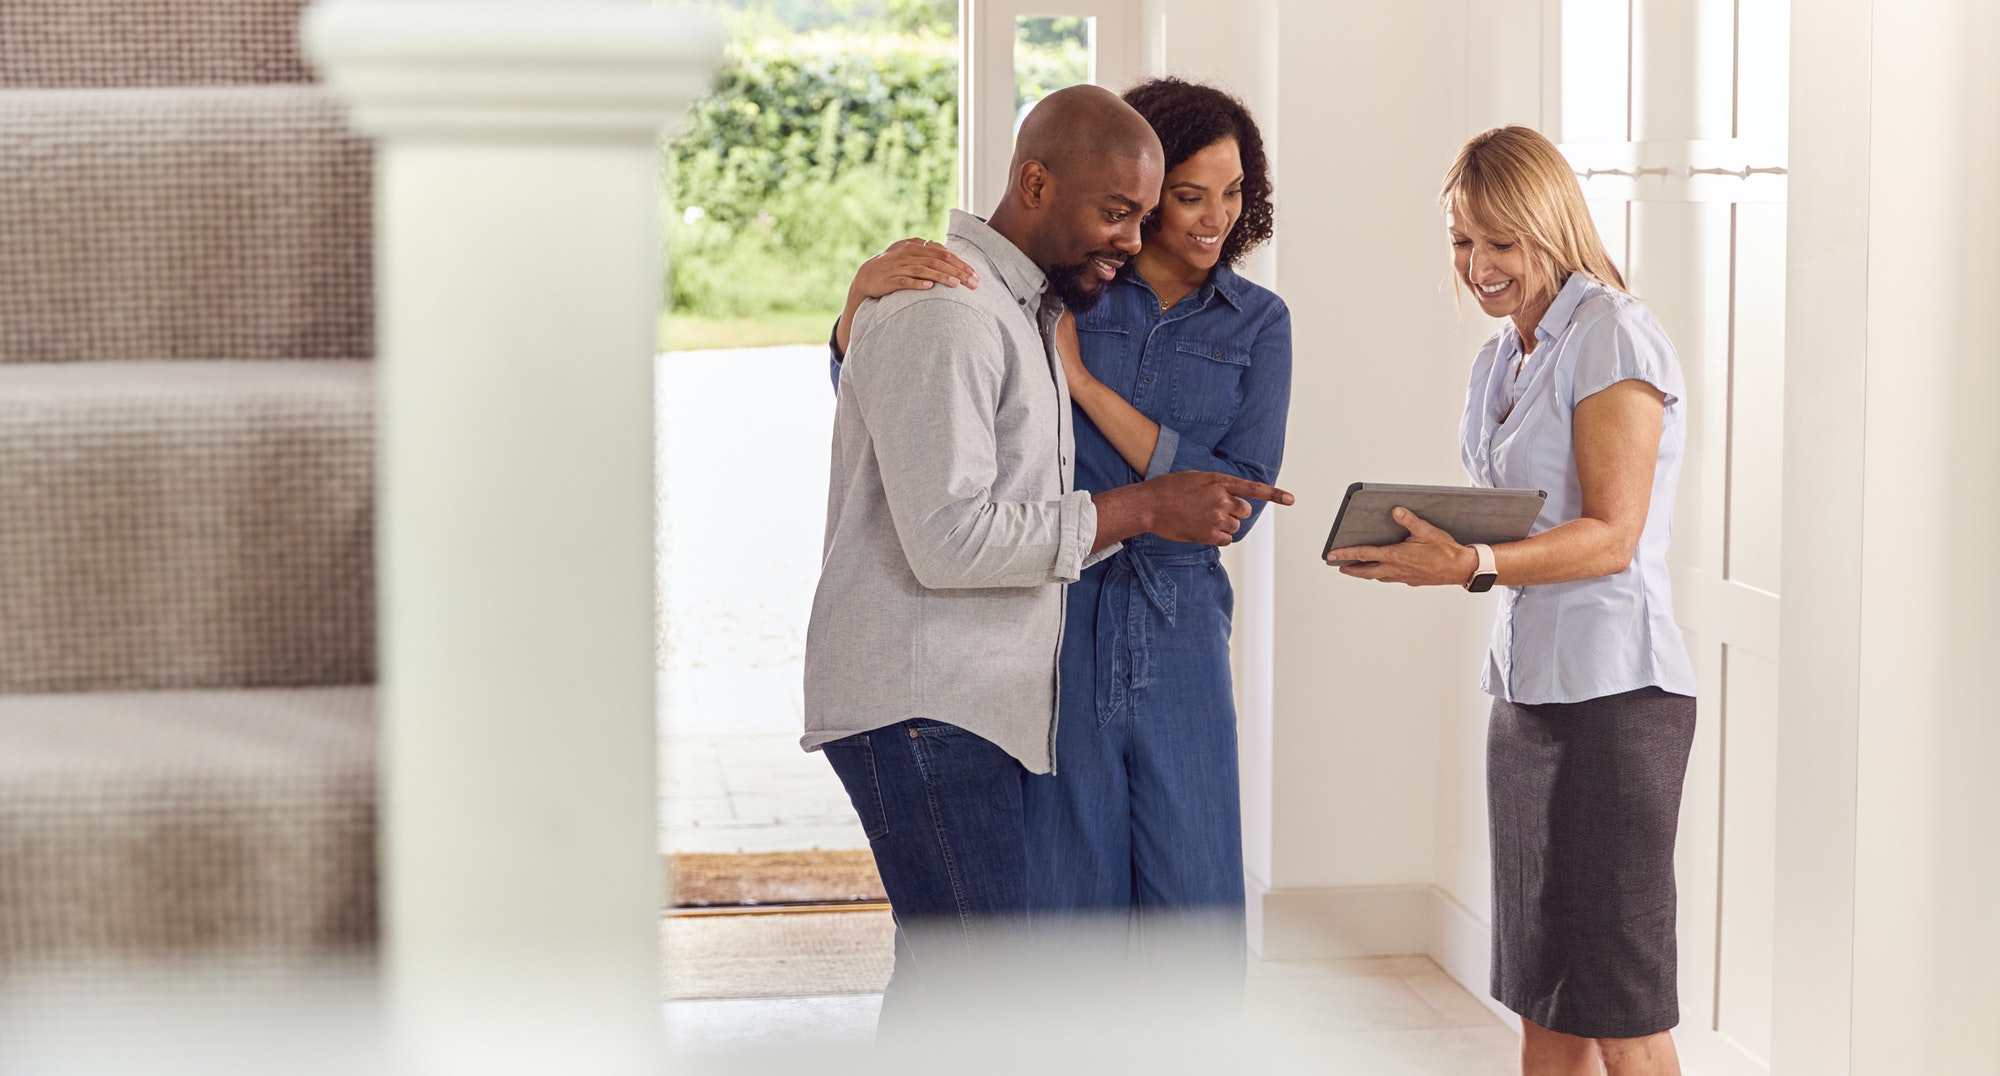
{"type": "Point", "coordinates": [748, 788]}
{"type": "Point", "coordinates": [1382, 1016]}
{"type": "Point", "coordinates": [738, 559]}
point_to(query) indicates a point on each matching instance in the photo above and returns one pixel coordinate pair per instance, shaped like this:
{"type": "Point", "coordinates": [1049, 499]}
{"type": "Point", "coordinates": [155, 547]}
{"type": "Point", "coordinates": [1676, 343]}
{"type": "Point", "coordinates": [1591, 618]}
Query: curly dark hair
{"type": "Point", "coordinates": [1190, 117]}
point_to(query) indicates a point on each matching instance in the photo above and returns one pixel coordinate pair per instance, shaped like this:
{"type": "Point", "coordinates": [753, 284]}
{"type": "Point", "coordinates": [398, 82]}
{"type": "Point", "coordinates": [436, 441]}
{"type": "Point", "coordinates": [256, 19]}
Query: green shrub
{"type": "Point", "coordinates": [811, 155]}
{"type": "Point", "coordinates": [1050, 52]}
{"type": "Point", "coordinates": [817, 150]}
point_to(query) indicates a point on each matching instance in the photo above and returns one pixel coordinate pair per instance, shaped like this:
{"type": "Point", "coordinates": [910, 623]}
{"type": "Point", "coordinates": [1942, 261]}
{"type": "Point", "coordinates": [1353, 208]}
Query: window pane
{"type": "Point", "coordinates": [1050, 52]}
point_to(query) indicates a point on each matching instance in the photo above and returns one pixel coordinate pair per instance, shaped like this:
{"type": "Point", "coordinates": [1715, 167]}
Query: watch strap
{"type": "Point", "coordinates": [1483, 575]}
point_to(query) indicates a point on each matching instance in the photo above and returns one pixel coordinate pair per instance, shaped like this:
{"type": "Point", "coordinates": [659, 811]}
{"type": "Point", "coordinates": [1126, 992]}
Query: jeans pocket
{"type": "Point", "coordinates": [853, 761]}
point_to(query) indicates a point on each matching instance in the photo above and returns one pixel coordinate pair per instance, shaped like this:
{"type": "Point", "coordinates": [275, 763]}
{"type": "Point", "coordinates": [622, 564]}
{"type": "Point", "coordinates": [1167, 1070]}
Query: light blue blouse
{"type": "Point", "coordinates": [1567, 642]}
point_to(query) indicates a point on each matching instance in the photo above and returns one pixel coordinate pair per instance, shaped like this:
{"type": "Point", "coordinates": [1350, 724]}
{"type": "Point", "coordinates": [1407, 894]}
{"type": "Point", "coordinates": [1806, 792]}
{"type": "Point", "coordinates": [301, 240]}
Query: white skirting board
{"type": "Point", "coordinates": [1392, 920]}
{"type": "Point", "coordinates": [1462, 944]}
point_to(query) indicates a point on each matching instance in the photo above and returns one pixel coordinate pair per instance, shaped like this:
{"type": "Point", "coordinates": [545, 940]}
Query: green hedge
{"type": "Point", "coordinates": [812, 154]}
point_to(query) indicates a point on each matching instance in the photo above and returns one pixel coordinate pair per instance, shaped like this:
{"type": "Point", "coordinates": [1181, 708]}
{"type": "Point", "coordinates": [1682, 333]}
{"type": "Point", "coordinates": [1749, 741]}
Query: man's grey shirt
{"type": "Point", "coordinates": [950, 520]}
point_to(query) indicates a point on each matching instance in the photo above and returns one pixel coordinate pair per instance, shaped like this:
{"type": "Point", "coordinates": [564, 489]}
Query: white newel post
{"type": "Point", "coordinates": [517, 276]}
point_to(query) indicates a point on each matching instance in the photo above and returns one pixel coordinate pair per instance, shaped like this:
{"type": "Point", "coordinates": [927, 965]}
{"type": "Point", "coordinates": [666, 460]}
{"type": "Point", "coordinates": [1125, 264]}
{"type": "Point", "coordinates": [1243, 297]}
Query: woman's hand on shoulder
{"type": "Point", "coordinates": [911, 263]}
{"type": "Point", "coordinates": [905, 264]}
{"type": "Point", "coordinates": [1070, 348]}
{"type": "Point", "coordinates": [1427, 558]}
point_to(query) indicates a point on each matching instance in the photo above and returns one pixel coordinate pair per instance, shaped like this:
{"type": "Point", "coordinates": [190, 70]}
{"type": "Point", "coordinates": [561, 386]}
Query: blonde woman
{"type": "Point", "coordinates": [1579, 394]}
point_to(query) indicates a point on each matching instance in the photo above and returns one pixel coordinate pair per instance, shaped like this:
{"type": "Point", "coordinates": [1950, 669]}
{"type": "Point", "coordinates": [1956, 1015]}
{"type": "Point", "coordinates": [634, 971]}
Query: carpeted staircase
{"type": "Point", "coordinates": [187, 734]}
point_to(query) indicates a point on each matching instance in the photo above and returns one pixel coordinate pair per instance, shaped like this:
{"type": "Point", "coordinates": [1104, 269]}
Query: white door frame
{"type": "Point", "coordinates": [986, 79]}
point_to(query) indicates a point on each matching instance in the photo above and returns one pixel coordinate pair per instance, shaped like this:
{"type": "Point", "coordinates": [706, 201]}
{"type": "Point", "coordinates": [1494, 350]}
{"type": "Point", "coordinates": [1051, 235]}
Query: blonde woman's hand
{"type": "Point", "coordinates": [1427, 558]}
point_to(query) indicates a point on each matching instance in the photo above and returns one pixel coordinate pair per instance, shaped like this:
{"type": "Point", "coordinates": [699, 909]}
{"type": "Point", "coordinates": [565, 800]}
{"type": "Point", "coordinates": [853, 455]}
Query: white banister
{"type": "Point", "coordinates": [518, 275]}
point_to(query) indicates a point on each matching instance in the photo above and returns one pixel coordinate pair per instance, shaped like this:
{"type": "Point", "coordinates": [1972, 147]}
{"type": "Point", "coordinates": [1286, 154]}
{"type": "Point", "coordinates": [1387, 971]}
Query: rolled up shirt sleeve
{"type": "Point", "coordinates": [928, 388]}
{"type": "Point", "coordinates": [1079, 531]}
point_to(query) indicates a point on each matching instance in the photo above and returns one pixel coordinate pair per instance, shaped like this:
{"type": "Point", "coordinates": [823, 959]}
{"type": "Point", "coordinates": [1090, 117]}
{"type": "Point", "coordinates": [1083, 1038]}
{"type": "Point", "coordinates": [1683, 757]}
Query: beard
{"type": "Point", "coordinates": [1077, 285]}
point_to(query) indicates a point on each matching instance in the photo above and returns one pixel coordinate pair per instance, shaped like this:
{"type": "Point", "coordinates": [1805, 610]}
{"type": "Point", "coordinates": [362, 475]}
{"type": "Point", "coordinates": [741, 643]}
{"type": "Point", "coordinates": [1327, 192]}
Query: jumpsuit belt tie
{"type": "Point", "coordinates": [1137, 593]}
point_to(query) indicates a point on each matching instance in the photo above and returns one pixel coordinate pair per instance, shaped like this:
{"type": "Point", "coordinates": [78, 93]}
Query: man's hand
{"type": "Point", "coordinates": [1185, 506]}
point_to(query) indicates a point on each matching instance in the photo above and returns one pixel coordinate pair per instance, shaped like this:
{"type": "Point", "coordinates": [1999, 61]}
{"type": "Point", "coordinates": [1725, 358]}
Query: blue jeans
{"type": "Point", "coordinates": [942, 811]}
{"type": "Point", "coordinates": [1143, 817]}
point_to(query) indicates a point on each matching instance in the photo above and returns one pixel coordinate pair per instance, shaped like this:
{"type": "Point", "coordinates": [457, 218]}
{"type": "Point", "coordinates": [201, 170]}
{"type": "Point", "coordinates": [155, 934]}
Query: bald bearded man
{"type": "Point", "coordinates": [952, 523]}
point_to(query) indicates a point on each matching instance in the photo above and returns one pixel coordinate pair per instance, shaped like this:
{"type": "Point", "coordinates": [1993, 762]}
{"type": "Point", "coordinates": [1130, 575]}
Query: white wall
{"type": "Point", "coordinates": [1504, 83]}
{"type": "Point", "coordinates": [1370, 110]}
{"type": "Point", "coordinates": [1888, 872]}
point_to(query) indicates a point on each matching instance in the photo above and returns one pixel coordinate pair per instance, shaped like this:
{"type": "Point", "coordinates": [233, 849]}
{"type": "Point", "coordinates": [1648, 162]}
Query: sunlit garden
{"type": "Point", "coordinates": [832, 132]}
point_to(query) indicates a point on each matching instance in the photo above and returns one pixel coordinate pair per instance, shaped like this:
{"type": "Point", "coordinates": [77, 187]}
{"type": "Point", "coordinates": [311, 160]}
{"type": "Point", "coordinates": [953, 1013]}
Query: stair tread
{"type": "Point", "coordinates": [145, 825]}
{"type": "Point", "coordinates": [231, 222]}
{"type": "Point", "coordinates": [117, 42]}
{"type": "Point", "coordinates": [282, 733]}
{"type": "Point", "coordinates": [187, 524]}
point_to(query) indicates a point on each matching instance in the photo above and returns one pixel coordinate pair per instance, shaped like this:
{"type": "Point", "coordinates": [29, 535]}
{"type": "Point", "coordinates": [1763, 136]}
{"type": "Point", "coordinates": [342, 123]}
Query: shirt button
{"type": "Point", "coordinates": [1145, 380]}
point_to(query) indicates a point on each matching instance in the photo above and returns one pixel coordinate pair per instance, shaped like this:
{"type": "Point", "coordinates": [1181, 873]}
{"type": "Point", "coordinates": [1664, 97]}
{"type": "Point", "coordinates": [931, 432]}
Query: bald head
{"type": "Point", "coordinates": [1082, 126]}
{"type": "Point", "coordinates": [1087, 169]}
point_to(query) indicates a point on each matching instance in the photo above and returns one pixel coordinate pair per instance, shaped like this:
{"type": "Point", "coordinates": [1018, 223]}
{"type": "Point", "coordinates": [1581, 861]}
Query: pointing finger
{"type": "Point", "coordinates": [1256, 491]}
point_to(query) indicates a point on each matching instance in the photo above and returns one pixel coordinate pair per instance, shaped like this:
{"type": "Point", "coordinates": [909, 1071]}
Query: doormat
{"type": "Point", "coordinates": [796, 954]}
{"type": "Point", "coordinates": [705, 879]}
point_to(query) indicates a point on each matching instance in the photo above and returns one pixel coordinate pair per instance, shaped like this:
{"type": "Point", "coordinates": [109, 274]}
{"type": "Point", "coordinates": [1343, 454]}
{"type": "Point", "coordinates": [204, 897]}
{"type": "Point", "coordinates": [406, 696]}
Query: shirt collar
{"type": "Point", "coordinates": [1222, 279]}
{"type": "Point", "coordinates": [1563, 308]}
{"type": "Point", "coordinates": [1227, 284]}
{"type": "Point", "coordinates": [1024, 279]}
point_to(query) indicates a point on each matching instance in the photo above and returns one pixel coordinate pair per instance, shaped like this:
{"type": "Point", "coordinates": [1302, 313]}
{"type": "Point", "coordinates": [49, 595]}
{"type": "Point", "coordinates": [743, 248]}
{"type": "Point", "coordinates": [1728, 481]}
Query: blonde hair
{"type": "Point", "coordinates": [1511, 181]}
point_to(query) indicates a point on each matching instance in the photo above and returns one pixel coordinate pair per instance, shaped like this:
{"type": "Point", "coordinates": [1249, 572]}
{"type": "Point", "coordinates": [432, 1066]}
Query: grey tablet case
{"type": "Point", "coordinates": [1468, 513]}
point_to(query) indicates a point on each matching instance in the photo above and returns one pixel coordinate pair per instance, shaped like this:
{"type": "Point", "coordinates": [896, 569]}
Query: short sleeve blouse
{"type": "Point", "coordinates": [1567, 642]}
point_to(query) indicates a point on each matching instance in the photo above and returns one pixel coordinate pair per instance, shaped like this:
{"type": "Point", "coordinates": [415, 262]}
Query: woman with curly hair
{"type": "Point", "coordinates": [1182, 365]}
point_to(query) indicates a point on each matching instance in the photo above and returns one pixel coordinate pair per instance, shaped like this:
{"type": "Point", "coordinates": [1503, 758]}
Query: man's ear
{"type": "Point", "coordinates": [1033, 183]}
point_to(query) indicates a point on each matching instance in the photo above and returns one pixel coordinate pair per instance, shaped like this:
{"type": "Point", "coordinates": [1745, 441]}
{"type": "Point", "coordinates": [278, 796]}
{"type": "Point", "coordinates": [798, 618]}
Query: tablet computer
{"type": "Point", "coordinates": [1468, 513]}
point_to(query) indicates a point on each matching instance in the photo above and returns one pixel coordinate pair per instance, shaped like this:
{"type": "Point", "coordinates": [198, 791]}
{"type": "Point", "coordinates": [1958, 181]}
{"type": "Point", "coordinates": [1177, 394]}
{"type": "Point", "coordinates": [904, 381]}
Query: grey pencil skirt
{"type": "Point", "coordinates": [1584, 800]}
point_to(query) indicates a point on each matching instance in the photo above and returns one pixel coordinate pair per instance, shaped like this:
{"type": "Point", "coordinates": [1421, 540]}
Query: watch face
{"type": "Point", "coordinates": [1482, 582]}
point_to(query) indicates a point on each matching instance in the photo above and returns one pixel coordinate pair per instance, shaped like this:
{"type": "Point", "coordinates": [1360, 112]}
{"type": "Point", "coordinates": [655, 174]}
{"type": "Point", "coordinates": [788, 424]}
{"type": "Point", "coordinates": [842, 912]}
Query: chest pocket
{"type": "Point", "coordinates": [1100, 319]}
{"type": "Point", "coordinates": [1105, 344]}
{"type": "Point", "coordinates": [1208, 381]}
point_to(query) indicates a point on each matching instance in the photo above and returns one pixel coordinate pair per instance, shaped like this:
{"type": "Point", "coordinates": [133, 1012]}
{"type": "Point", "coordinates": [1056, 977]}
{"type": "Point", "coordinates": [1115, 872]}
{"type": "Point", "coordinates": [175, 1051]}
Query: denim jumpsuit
{"type": "Point", "coordinates": [1144, 812]}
